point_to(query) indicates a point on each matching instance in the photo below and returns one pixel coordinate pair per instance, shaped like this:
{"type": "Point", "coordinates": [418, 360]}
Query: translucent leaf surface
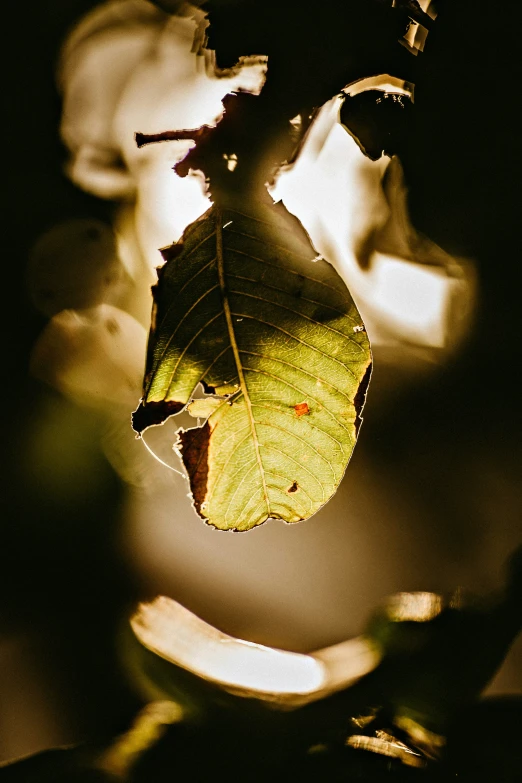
{"type": "Point", "coordinates": [244, 307]}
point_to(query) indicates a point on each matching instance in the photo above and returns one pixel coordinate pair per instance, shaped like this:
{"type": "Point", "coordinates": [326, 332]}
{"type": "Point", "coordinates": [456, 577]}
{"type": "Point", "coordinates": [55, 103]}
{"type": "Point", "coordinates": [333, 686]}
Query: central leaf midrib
{"type": "Point", "coordinates": [234, 346]}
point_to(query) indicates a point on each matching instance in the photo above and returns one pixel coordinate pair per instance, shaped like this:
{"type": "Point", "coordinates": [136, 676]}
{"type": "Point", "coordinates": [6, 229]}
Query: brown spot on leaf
{"type": "Point", "coordinates": [194, 452]}
{"type": "Point", "coordinates": [147, 414]}
{"type": "Point", "coordinates": [301, 409]}
{"type": "Point", "coordinates": [293, 488]}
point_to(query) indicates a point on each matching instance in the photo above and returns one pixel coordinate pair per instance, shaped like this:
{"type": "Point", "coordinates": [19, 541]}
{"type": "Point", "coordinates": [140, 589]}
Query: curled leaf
{"type": "Point", "coordinates": [176, 643]}
{"type": "Point", "coordinates": [243, 311]}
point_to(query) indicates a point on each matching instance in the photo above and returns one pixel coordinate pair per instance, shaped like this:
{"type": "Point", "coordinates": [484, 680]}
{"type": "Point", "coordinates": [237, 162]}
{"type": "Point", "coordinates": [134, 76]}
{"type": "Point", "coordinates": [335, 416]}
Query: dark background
{"type": "Point", "coordinates": [63, 585]}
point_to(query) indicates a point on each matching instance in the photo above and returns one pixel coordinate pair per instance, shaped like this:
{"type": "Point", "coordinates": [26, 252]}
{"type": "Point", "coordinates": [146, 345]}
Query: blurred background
{"type": "Point", "coordinates": [92, 522]}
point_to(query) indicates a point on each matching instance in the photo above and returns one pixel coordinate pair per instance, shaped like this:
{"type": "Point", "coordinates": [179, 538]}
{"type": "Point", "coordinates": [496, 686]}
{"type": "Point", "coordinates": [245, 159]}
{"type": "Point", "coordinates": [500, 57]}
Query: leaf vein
{"type": "Point", "coordinates": [291, 385]}
{"type": "Point", "coordinates": [291, 271]}
{"type": "Point", "coordinates": [297, 339]}
{"type": "Point", "coordinates": [194, 337]}
{"type": "Point", "coordinates": [261, 404]}
{"type": "Point", "coordinates": [191, 308]}
{"type": "Point", "coordinates": [302, 315]}
{"type": "Point", "coordinates": [285, 478]}
{"type": "Point", "coordinates": [292, 459]}
{"type": "Point", "coordinates": [178, 292]}
{"type": "Point", "coordinates": [188, 253]}
{"type": "Point", "coordinates": [299, 369]}
{"type": "Point", "coordinates": [263, 487]}
{"type": "Point", "coordinates": [263, 240]}
{"type": "Point", "coordinates": [232, 336]}
{"type": "Point", "coordinates": [283, 291]}
{"type": "Point", "coordinates": [302, 440]}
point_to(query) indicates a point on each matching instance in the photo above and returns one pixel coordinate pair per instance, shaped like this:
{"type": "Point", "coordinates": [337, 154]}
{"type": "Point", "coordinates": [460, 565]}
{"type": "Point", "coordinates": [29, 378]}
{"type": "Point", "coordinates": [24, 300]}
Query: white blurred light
{"type": "Point", "coordinates": [174, 633]}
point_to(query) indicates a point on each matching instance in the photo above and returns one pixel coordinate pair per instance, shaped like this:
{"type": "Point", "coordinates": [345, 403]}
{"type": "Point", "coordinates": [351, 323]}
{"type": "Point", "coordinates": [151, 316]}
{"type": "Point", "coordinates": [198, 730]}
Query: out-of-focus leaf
{"type": "Point", "coordinates": [99, 57]}
{"type": "Point", "coordinates": [191, 650]}
{"type": "Point", "coordinates": [395, 692]}
{"type": "Point", "coordinates": [244, 311]}
{"type": "Point", "coordinates": [94, 356]}
{"type": "Point", "coordinates": [75, 265]}
{"type": "Point", "coordinates": [354, 715]}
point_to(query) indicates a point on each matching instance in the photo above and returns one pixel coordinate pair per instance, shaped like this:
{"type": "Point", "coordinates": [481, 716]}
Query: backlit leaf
{"type": "Point", "coordinates": [246, 309]}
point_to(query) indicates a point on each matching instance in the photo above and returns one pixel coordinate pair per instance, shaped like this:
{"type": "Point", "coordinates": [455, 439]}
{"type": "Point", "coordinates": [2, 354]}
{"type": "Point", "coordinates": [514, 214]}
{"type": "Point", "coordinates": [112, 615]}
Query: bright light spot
{"type": "Point", "coordinates": [133, 69]}
{"type": "Point", "coordinates": [231, 162]}
{"type": "Point", "coordinates": [387, 747]}
{"type": "Point", "coordinates": [430, 742]}
{"type": "Point", "coordinates": [400, 299]}
{"type": "Point", "coordinates": [180, 637]}
{"type": "Point", "coordinates": [383, 82]}
{"type": "Point", "coordinates": [416, 35]}
{"type": "Point", "coordinates": [415, 607]}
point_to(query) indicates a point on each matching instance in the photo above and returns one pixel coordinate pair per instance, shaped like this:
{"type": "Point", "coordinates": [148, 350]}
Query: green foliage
{"type": "Point", "coordinates": [244, 311]}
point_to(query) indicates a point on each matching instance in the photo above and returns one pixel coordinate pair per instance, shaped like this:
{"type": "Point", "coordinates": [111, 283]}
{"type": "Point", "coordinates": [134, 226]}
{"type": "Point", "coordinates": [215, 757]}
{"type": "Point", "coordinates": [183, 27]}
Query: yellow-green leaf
{"type": "Point", "coordinates": [244, 307]}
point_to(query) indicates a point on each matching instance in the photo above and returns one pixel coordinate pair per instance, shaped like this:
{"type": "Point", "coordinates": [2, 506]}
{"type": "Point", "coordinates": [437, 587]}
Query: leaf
{"type": "Point", "coordinates": [171, 653]}
{"type": "Point", "coordinates": [243, 310]}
